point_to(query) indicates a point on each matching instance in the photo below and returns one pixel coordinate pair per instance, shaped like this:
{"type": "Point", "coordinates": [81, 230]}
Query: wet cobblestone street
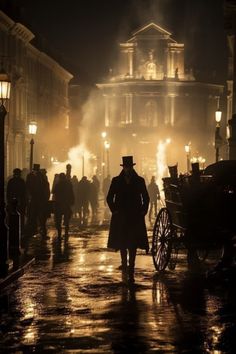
{"type": "Point", "coordinates": [72, 300]}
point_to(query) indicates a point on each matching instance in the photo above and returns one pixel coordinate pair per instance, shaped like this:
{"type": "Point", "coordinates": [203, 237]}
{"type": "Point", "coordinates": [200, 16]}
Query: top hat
{"type": "Point", "coordinates": [173, 171]}
{"type": "Point", "coordinates": [127, 161]}
{"type": "Point", "coordinates": [195, 168]}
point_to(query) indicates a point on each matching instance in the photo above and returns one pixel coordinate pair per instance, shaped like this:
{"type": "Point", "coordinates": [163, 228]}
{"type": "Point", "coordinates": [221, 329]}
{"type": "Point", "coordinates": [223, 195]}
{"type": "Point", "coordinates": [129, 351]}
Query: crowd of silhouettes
{"type": "Point", "coordinates": [68, 197]}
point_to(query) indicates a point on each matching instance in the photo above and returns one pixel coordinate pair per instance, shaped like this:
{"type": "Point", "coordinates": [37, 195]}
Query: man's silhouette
{"type": "Point", "coordinates": [128, 201]}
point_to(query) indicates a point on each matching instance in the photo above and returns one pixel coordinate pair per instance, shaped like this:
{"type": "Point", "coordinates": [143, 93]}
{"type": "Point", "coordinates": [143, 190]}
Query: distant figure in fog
{"type": "Point", "coordinates": [45, 209]}
{"type": "Point", "coordinates": [55, 181]}
{"type": "Point", "coordinates": [38, 193]}
{"type": "Point", "coordinates": [75, 183]}
{"type": "Point", "coordinates": [64, 199]}
{"type": "Point", "coordinates": [105, 187]}
{"type": "Point", "coordinates": [24, 173]}
{"type": "Point", "coordinates": [93, 196]}
{"type": "Point", "coordinates": [83, 193]}
{"type": "Point", "coordinates": [68, 171]}
{"type": "Point", "coordinates": [154, 195]}
{"type": "Point", "coordinates": [128, 201]}
{"type": "Point", "coordinates": [16, 188]}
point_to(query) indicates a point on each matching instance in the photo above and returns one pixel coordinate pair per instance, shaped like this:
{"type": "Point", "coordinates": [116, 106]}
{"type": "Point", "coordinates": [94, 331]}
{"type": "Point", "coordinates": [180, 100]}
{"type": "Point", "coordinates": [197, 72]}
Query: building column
{"type": "Point", "coordinates": [129, 108]}
{"type": "Point", "coordinates": [130, 59]}
{"type": "Point", "coordinates": [107, 118]}
{"type": "Point", "coordinates": [229, 99]}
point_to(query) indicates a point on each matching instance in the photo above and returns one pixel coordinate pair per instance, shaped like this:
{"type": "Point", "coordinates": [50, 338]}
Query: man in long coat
{"type": "Point", "coordinates": [64, 199]}
{"type": "Point", "coordinates": [128, 201]}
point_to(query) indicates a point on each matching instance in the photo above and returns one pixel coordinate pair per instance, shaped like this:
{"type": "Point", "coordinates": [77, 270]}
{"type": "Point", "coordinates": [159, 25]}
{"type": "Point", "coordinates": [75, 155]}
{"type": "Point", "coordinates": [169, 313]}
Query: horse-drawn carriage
{"type": "Point", "coordinates": [199, 215]}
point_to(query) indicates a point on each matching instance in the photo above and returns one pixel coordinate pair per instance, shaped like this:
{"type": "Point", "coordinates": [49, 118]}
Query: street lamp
{"type": "Point", "coordinates": [107, 147]}
{"type": "Point", "coordinates": [218, 139]}
{"type": "Point", "coordinates": [187, 150]}
{"type": "Point", "coordinates": [103, 135]}
{"type": "Point", "coordinates": [32, 132]}
{"type": "Point", "coordinates": [5, 86]}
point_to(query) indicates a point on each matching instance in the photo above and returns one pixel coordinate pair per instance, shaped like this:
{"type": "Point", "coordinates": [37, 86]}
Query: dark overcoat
{"type": "Point", "coordinates": [128, 203]}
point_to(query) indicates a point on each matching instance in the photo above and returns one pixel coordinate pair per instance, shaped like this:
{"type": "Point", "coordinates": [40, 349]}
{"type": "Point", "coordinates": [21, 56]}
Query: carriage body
{"type": "Point", "coordinates": [199, 213]}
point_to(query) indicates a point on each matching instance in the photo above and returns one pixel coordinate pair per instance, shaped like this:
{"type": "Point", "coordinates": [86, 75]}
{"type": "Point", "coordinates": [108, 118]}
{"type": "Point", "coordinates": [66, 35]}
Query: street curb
{"type": "Point", "coordinates": [14, 275]}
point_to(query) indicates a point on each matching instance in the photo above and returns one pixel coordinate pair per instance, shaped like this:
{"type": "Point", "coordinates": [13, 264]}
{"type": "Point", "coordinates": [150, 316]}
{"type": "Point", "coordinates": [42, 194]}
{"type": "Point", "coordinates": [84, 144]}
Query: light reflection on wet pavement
{"type": "Point", "coordinates": [72, 301]}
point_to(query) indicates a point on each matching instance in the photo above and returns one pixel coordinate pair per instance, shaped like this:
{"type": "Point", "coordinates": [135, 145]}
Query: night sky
{"type": "Point", "coordinates": [84, 34]}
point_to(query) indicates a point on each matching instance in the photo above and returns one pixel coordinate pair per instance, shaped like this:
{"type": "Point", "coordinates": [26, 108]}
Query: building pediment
{"type": "Point", "coordinates": [150, 30]}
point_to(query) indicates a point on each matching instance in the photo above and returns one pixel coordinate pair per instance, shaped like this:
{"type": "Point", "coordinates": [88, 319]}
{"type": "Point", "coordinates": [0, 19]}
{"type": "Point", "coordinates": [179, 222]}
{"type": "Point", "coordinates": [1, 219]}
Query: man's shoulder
{"type": "Point", "coordinates": [140, 178]}
{"type": "Point", "coordinates": [116, 179]}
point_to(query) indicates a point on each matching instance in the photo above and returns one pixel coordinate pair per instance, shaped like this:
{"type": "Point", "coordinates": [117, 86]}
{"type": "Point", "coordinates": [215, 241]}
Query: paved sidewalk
{"type": "Point", "coordinates": [25, 261]}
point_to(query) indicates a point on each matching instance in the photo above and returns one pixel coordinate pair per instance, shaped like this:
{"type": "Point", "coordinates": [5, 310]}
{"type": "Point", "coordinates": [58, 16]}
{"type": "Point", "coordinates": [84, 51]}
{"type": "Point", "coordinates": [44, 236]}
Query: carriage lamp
{"type": "Point", "coordinates": [5, 86]}
{"type": "Point", "coordinates": [32, 132]}
{"type": "Point", "coordinates": [218, 138]}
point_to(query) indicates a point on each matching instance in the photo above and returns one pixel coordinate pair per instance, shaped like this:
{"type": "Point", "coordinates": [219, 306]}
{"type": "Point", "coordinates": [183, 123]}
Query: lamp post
{"type": "Point", "coordinates": [218, 139]}
{"type": "Point", "coordinates": [103, 135]}
{"type": "Point", "coordinates": [107, 147]}
{"type": "Point", "coordinates": [187, 150]}
{"type": "Point", "coordinates": [32, 132]}
{"type": "Point", "coordinates": [5, 86]}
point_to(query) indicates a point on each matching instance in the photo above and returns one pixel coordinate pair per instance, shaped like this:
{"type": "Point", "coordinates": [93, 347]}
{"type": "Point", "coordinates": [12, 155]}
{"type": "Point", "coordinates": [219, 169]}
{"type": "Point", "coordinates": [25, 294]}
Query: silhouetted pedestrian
{"type": "Point", "coordinates": [64, 199]}
{"type": "Point", "coordinates": [75, 183]}
{"type": "Point", "coordinates": [154, 195]}
{"type": "Point", "coordinates": [83, 194]}
{"type": "Point", "coordinates": [68, 171]}
{"type": "Point", "coordinates": [128, 201]}
{"type": "Point", "coordinates": [93, 196]}
{"type": "Point", "coordinates": [45, 212]}
{"type": "Point", "coordinates": [55, 181]}
{"type": "Point", "coordinates": [38, 193]}
{"type": "Point", "coordinates": [16, 188]}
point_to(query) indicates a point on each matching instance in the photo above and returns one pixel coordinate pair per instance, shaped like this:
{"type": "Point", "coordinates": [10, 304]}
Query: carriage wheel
{"type": "Point", "coordinates": [162, 239]}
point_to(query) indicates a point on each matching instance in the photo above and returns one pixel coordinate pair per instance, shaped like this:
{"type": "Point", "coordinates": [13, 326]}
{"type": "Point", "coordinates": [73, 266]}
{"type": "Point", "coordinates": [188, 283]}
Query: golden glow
{"type": "Point", "coordinates": [218, 115]}
{"type": "Point", "coordinates": [79, 157]}
{"type": "Point", "coordinates": [107, 145]}
{"type": "Point", "coordinates": [168, 140]}
{"type": "Point", "coordinates": [103, 135]}
{"type": "Point", "coordinates": [5, 86]}
{"type": "Point", "coordinates": [161, 161]}
{"type": "Point", "coordinates": [187, 149]}
{"type": "Point", "coordinates": [33, 128]}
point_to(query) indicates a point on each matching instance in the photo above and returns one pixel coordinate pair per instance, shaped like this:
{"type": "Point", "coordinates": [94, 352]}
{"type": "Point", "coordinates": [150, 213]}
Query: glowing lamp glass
{"type": "Point", "coordinates": [32, 128]}
{"type": "Point", "coordinates": [187, 149]}
{"type": "Point", "coordinates": [107, 145]}
{"type": "Point", "coordinates": [218, 115]}
{"type": "Point", "coordinates": [5, 86]}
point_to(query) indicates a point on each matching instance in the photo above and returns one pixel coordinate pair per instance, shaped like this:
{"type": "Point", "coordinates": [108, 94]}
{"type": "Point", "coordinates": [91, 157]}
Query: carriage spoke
{"type": "Point", "coordinates": [161, 243]}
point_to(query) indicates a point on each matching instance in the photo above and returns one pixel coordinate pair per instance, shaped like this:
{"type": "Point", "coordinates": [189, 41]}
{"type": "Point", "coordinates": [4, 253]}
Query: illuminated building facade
{"type": "Point", "coordinates": [39, 92]}
{"type": "Point", "coordinates": [150, 96]}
